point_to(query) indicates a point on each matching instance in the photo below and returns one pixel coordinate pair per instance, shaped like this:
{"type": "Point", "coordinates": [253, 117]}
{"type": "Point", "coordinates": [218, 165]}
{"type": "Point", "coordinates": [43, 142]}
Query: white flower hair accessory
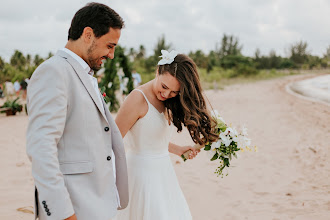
{"type": "Point", "coordinates": [167, 58]}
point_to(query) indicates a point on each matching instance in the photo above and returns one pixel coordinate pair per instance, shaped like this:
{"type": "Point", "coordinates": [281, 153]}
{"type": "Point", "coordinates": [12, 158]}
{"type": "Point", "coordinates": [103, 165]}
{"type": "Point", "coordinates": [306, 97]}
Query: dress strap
{"type": "Point", "coordinates": [143, 95]}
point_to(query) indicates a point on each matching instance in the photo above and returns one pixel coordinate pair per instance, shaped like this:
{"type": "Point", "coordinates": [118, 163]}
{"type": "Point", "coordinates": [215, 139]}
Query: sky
{"type": "Point", "coordinates": [41, 26]}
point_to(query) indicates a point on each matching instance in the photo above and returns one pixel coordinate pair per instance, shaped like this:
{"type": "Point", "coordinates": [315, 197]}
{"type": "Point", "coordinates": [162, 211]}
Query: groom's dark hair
{"type": "Point", "coordinates": [97, 16]}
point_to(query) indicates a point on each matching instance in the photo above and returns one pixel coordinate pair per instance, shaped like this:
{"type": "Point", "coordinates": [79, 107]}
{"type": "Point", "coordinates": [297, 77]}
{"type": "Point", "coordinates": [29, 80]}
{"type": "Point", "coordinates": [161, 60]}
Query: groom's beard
{"type": "Point", "coordinates": [94, 63]}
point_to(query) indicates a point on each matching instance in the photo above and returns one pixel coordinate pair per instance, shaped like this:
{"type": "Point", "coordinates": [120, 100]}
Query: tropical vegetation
{"type": "Point", "coordinates": [222, 65]}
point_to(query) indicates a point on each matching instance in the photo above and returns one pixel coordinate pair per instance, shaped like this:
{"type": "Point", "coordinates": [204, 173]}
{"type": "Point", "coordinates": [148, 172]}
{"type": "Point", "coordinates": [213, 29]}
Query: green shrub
{"type": "Point", "coordinates": [13, 105]}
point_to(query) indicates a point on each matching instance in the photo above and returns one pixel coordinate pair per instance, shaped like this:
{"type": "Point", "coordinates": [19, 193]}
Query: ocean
{"type": "Point", "coordinates": [317, 88]}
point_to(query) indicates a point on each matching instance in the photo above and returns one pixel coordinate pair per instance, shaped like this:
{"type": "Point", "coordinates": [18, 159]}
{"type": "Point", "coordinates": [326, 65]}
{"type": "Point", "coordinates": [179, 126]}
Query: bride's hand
{"type": "Point", "coordinates": [193, 152]}
{"type": "Point", "coordinates": [179, 150]}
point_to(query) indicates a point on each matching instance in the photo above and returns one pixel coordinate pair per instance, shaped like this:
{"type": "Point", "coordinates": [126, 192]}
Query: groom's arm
{"type": "Point", "coordinates": [47, 107]}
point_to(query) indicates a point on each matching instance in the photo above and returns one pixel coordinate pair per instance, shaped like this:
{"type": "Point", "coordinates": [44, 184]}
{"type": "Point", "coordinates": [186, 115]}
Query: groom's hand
{"type": "Point", "coordinates": [74, 217]}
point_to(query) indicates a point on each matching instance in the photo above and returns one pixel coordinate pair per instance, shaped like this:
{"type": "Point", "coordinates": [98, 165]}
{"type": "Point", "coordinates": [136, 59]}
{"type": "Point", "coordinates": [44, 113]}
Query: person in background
{"type": "Point", "coordinates": [23, 87]}
{"type": "Point", "coordinates": [136, 79]}
{"type": "Point", "coordinates": [17, 87]}
{"type": "Point", "coordinates": [1, 91]}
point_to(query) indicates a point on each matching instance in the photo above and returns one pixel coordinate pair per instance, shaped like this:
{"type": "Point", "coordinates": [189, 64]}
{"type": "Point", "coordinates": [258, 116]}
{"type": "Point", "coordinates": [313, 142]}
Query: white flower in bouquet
{"type": "Point", "coordinates": [225, 139]}
{"type": "Point", "coordinates": [214, 147]}
{"type": "Point", "coordinates": [234, 134]}
{"type": "Point", "coordinates": [243, 142]}
{"type": "Point", "coordinates": [227, 145]}
{"type": "Point", "coordinates": [215, 115]}
{"type": "Point", "coordinates": [230, 130]}
{"type": "Point", "coordinates": [244, 130]}
{"type": "Point", "coordinates": [216, 144]}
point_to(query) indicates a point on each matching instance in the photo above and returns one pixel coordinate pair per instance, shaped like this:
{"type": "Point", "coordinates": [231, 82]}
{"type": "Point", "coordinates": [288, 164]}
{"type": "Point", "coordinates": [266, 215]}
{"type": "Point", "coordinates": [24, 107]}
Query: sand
{"type": "Point", "coordinates": [287, 179]}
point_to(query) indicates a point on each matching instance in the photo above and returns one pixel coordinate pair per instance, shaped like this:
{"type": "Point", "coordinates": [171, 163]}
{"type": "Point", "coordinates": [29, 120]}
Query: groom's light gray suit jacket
{"type": "Point", "coordinates": [70, 138]}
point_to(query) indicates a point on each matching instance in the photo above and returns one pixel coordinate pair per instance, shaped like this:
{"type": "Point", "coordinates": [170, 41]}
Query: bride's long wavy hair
{"type": "Point", "coordinates": [189, 107]}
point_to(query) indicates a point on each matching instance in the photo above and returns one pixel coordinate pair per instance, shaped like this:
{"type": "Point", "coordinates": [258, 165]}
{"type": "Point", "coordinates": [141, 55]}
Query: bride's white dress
{"type": "Point", "coordinates": [154, 191]}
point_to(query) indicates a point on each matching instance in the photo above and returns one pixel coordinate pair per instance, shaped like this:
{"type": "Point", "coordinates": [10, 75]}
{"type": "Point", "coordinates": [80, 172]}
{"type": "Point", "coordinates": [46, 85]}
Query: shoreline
{"type": "Point", "coordinates": [302, 90]}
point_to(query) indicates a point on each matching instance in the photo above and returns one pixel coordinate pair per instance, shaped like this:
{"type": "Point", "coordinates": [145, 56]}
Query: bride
{"type": "Point", "coordinates": [146, 120]}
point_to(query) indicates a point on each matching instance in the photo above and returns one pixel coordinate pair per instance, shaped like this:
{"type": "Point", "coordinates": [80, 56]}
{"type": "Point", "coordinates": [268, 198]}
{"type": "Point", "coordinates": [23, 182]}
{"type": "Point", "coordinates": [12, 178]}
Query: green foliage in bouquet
{"type": "Point", "coordinates": [229, 143]}
{"type": "Point", "coordinates": [225, 155]}
{"type": "Point", "coordinates": [222, 152]}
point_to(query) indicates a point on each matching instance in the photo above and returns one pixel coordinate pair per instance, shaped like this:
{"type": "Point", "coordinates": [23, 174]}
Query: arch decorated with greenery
{"type": "Point", "coordinates": [110, 82]}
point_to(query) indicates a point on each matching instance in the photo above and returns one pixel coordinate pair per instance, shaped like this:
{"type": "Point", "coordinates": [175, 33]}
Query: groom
{"type": "Point", "coordinates": [71, 134]}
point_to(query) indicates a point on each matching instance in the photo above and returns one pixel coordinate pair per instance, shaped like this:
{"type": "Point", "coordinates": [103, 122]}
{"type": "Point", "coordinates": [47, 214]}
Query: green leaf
{"type": "Point", "coordinates": [215, 157]}
{"type": "Point", "coordinates": [207, 147]}
{"type": "Point", "coordinates": [226, 162]}
{"type": "Point", "coordinates": [184, 159]}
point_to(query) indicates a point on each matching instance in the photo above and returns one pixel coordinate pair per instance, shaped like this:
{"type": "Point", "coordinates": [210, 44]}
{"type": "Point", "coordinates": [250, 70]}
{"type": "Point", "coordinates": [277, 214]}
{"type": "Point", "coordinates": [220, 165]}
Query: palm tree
{"type": "Point", "coordinates": [18, 60]}
{"type": "Point", "coordinates": [50, 54]}
{"type": "Point", "coordinates": [132, 53]}
{"type": "Point", "coordinates": [2, 63]}
{"type": "Point", "coordinates": [151, 62]}
{"type": "Point", "coordinates": [142, 52]}
{"type": "Point", "coordinates": [37, 60]}
{"type": "Point", "coordinates": [28, 59]}
{"type": "Point", "coordinates": [161, 45]}
{"type": "Point", "coordinates": [327, 53]}
{"type": "Point", "coordinates": [229, 46]}
{"type": "Point", "coordinates": [200, 59]}
{"type": "Point", "coordinates": [299, 53]}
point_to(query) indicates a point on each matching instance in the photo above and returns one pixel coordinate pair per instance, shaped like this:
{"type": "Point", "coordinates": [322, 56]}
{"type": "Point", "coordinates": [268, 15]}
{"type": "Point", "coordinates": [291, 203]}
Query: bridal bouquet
{"type": "Point", "coordinates": [228, 144]}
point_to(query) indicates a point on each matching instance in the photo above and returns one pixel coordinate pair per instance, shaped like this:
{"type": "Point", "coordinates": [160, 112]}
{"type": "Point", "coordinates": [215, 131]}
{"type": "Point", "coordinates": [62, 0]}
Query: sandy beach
{"type": "Point", "coordinates": [288, 178]}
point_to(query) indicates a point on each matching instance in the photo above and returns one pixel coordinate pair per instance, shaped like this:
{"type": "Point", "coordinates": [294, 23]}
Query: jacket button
{"type": "Point", "coordinates": [46, 209]}
{"type": "Point", "coordinates": [108, 158]}
{"type": "Point", "coordinates": [48, 213]}
{"type": "Point", "coordinates": [44, 202]}
{"type": "Point", "coordinates": [106, 129]}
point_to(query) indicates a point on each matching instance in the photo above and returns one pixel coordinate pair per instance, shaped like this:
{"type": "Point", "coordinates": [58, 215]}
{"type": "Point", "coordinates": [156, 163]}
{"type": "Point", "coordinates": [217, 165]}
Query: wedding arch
{"type": "Point", "coordinates": [116, 78]}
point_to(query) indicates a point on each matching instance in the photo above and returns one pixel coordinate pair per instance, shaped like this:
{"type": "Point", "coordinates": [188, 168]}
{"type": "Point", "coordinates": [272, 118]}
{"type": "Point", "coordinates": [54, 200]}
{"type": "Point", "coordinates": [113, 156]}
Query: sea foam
{"type": "Point", "coordinates": [316, 88]}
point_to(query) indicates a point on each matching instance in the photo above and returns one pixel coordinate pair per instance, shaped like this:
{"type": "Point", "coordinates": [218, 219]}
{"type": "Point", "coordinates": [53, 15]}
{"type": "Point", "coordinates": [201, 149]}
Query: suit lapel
{"type": "Point", "coordinates": [106, 110]}
{"type": "Point", "coordinates": [84, 78]}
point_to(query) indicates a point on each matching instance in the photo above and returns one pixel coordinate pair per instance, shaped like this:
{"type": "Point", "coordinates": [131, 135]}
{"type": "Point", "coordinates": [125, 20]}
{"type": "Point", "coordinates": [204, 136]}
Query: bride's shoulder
{"type": "Point", "coordinates": [135, 100]}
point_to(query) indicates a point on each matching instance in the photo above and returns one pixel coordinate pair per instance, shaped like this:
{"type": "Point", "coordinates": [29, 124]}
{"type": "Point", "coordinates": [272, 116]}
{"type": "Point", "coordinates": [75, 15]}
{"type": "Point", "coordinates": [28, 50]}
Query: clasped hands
{"type": "Point", "coordinates": [192, 154]}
